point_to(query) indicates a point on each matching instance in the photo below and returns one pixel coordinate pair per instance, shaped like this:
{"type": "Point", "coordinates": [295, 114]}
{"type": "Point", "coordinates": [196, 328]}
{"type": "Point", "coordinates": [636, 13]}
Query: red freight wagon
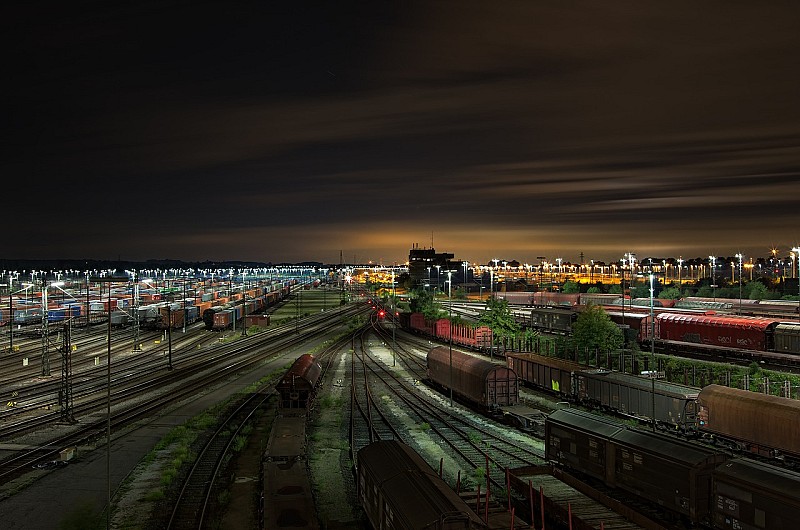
{"type": "Point", "coordinates": [750, 333]}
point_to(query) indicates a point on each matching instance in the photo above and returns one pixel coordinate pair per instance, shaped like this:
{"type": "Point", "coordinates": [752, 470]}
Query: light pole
{"type": "Point", "coordinates": [653, 369]}
{"type": "Point", "coordinates": [796, 250]}
{"type": "Point", "coordinates": [713, 261]}
{"type": "Point", "coordinates": [394, 322]}
{"type": "Point", "coordinates": [116, 276]}
{"type": "Point", "coordinates": [450, 335]}
{"type": "Point", "coordinates": [739, 255]}
{"type": "Point", "coordinates": [185, 279]}
{"type": "Point", "coordinates": [244, 305]}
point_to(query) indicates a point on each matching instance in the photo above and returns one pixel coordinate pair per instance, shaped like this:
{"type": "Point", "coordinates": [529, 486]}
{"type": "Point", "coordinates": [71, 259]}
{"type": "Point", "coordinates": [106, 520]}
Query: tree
{"type": "Point", "coordinates": [757, 291]}
{"type": "Point", "coordinates": [571, 287]}
{"type": "Point", "coordinates": [594, 330]}
{"type": "Point", "coordinates": [593, 289]}
{"type": "Point", "coordinates": [422, 302]}
{"type": "Point", "coordinates": [670, 293]}
{"type": "Point", "coordinates": [499, 318]}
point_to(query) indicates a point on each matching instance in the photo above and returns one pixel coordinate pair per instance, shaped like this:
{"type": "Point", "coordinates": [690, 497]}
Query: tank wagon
{"type": "Point", "coordinates": [480, 382]}
{"type": "Point", "coordinates": [670, 473]}
{"type": "Point", "coordinates": [399, 490]}
{"type": "Point", "coordinates": [758, 423]}
{"type": "Point", "coordinates": [297, 386]}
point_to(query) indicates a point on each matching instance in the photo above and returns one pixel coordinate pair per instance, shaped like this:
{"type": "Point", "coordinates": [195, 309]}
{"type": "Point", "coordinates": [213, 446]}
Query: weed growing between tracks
{"type": "Point", "coordinates": [145, 494]}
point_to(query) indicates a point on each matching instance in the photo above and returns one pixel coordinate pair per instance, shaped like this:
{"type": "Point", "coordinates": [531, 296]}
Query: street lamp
{"type": "Point", "coordinates": [739, 255]}
{"type": "Point", "coordinates": [713, 261]}
{"type": "Point", "coordinates": [796, 250]}
{"type": "Point", "coordinates": [653, 370]}
{"type": "Point", "coordinates": [394, 322]}
{"type": "Point", "coordinates": [450, 310]}
{"type": "Point", "coordinates": [116, 276]}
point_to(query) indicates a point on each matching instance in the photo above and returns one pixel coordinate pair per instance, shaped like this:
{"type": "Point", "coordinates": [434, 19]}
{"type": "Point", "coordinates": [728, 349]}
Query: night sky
{"type": "Point", "coordinates": [294, 131]}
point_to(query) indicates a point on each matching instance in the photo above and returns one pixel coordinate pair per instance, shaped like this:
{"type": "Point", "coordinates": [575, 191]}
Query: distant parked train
{"type": "Point", "coordinates": [464, 335]}
{"type": "Point", "coordinates": [771, 308]}
{"type": "Point", "coordinates": [625, 394]}
{"type": "Point", "coordinates": [231, 312]}
{"type": "Point", "coordinates": [697, 484]}
{"type": "Point", "coordinates": [678, 328]}
{"type": "Point", "coordinates": [399, 490]}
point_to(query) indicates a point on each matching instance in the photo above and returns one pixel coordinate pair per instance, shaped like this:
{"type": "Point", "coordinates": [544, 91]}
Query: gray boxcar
{"type": "Point", "coordinates": [787, 337]}
{"type": "Point", "coordinates": [632, 395]}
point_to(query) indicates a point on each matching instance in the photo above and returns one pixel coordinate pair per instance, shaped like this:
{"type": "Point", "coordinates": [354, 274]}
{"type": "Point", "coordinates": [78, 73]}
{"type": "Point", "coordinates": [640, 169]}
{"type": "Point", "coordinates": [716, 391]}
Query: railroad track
{"type": "Point", "coordinates": [191, 508]}
{"type": "Point", "coordinates": [474, 443]}
{"type": "Point", "coordinates": [161, 391]}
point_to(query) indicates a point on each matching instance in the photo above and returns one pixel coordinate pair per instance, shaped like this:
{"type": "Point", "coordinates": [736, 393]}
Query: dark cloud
{"type": "Point", "coordinates": [253, 131]}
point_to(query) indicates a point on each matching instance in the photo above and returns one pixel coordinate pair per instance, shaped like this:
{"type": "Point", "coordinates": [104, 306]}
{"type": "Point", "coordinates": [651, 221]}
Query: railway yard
{"type": "Point", "coordinates": [323, 413]}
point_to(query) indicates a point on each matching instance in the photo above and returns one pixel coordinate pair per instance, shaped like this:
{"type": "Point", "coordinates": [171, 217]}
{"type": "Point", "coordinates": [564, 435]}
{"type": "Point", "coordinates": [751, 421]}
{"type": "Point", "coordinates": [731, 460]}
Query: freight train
{"type": "Point", "coordinates": [399, 490]}
{"type": "Point", "coordinates": [233, 309]}
{"type": "Point", "coordinates": [465, 335]}
{"type": "Point", "coordinates": [699, 485]}
{"type": "Point", "coordinates": [746, 421]}
{"type": "Point", "coordinates": [772, 308]}
{"type": "Point", "coordinates": [679, 329]}
{"type": "Point", "coordinates": [287, 499]}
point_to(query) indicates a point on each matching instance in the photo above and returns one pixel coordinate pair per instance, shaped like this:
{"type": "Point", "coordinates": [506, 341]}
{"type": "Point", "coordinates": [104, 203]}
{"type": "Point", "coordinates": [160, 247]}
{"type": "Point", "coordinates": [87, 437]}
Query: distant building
{"type": "Point", "coordinates": [426, 266]}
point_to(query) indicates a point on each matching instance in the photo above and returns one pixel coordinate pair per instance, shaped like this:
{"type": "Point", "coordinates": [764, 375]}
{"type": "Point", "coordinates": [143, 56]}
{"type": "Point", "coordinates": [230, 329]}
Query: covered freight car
{"type": "Point", "coordinates": [675, 405]}
{"type": "Point", "coordinates": [399, 490]}
{"type": "Point", "coordinates": [751, 494]}
{"type": "Point", "coordinates": [479, 381]}
{"type": "Point", "coordinates": [296, 387]}
{"type": "Point", "coordinates": [553, 320]}
{"type": "Point", "coordinates": [750, 333]}
{"type": "Point", "coordinates": [543, 373]}
{"type": "Point", "coordinates": [669, 472]}
{"type": "Point", "coordinates": [787, 337]}
{"type": "Point", "coordinates": [751, 421]}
